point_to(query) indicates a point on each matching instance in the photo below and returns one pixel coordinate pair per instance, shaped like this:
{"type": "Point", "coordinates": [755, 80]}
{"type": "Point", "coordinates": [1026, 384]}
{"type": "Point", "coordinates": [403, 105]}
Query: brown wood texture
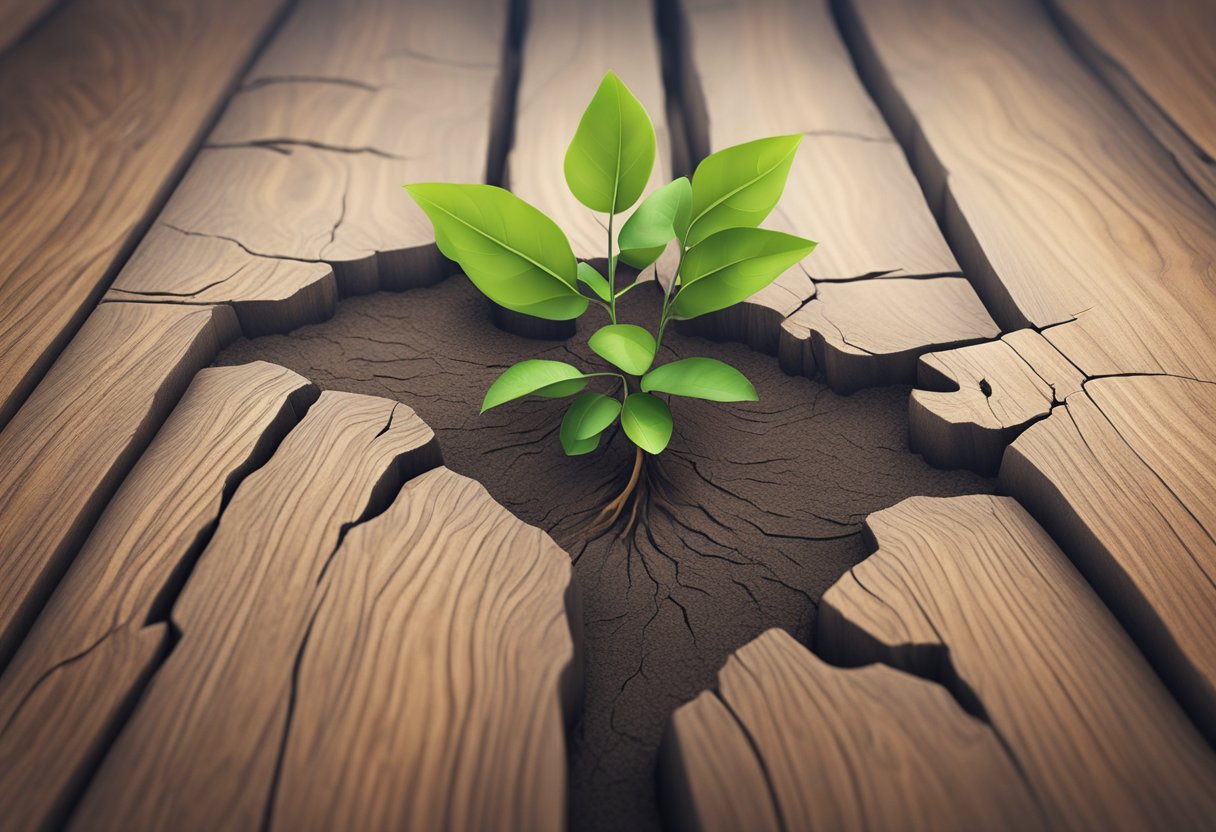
{"type": "Point", "coordinates": [90, 142]}
{"type": "Point", "coordinates": [69, 447]}
{"type": "Point", "coordinates": [568, 46]}
{"type": "Point", "coordinates": [973, 592]}
{"type": "Point", "coordinates": [860, 749]}
{"type": "Point", "coordinates": [1159, 58]}
{"type": "Point", "coordinates": [18, 17]}
{"type": "Point", "coordinates": [437, 672]}
{"type": "Point", "coordinates": [103, 632]}
{"type": "Point", "coordinates": [1123, 477]}
{"type": "Point", "coordinates": [202, 748]}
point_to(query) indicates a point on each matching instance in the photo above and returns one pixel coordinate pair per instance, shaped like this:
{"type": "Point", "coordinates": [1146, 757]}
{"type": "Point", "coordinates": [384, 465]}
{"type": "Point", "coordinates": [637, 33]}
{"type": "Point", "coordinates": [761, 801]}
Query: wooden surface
{"type": "Point", "coordinates": [865, 749]}
{"type": "Point", "coordinates": [973, 592]}
{"type": "Point", "coordinates": [90, 143]}
{"type": "Point", "coordinates": [1159, 58]}
{"type": "Point", "coordinates": [18, 17]}
{"type": "Point", "coordinates": [70, 446]}
{"type": "Point", "coordinates": [202, 749]}
{"type": "Point", "coordinates": [437, 673]}
{"type": "Point", "coordinates": [102, 634]}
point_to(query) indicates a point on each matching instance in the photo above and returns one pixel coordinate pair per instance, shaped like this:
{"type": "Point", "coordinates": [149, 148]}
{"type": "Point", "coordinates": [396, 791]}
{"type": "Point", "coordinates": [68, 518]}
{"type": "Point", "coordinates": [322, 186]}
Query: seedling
{"type": "Point", "coordinates": [521, 260]}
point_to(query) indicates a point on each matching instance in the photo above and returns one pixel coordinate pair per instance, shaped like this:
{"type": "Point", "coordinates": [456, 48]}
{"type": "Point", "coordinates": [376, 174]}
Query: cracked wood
{"type": "Point", "coordinates": [972, 592]}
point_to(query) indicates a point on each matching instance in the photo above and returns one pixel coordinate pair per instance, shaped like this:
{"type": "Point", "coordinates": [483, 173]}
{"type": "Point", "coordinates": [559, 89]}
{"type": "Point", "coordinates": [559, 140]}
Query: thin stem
{"type": "Point", "coordinates": [668, 294]}
{"type": "Point", "coordinates": [611, 271]}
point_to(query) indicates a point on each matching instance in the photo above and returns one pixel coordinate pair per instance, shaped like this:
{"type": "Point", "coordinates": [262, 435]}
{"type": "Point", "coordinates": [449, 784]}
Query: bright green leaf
{"type": "Point", "coordinates": [647, 421]}
{"type": "Point", "coordinates": [738, 186]}
{"type": "Point", "coordinates": [626, 346]}
{"type": "Point", "coordinates": [512, 252]}
{"type": "Point", "coordinates": [733, 265]}
{"type": "Point", "coordinates": [587, 418]}
{"type": "Point", "coordinates": [552, 379]}
{"type": "Point", "coordinates": [609, 160]}
{"type": "Point", "coordinates": [588, 275]}
{"type": "Point", "coordinates": [578, 447]}
{"type": "Point", "coordinates": [700, 378]}
{"type": "Point", "coordinates": [653, 225]}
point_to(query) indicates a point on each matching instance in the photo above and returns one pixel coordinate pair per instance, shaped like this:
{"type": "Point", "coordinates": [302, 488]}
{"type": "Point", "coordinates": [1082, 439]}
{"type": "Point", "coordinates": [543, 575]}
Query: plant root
{"type": "Point", "coordinates": [645, 485]}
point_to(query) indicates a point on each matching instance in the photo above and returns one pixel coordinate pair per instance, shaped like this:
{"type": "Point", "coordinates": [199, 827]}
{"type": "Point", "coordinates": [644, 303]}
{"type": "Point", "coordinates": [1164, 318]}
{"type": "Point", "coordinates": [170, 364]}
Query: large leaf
{"type": "Point", "coordinates": [626, 346]}
{"type": "Point", "coordinates": [587, 418]}
{"type": "Point", "coordinates": [647, 421]}
{"type": "Point", "coordinates": [512, 252]}
{"type": "Point", "coordinates": [739, 186]}
{"type": "Point", "coordinates": [609, 160]}
{"type": "Point", "coordinates": [653, 225]}
{"type": "Point", "coordinates": [700, 378]}
{"type": "Point", "coordinates": [733, 265]}
{"type": "Point", "coordinates": [551, 379]}
{"type": "Point", "coordinates": [589, 276]}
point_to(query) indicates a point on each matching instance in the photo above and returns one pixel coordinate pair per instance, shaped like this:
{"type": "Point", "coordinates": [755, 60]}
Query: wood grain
{"type": "Point", "coordinates": [567, 48]}
{"type": "Point", "coordinates": [90, 143]}
{"type": "Point", "coordinates": [70, 446]}
{"type": "Point", "coordinates": [1061, 207]}
{"type": "Point", "coordinates": [202, 748]}
{"type": "Point", "coordinates": [870, 332]}
{"type": "Point", "coordinates": [18, 17]}
{"type": "Point", "coordinates": [1122, 477]}
{"type": "Point", "coordinates": [972, 591]}
{"type": "Point", "coordinates": [101, 635]}
{"type": "Point", "coordinates": [863, 749]}
{"type": "Point", "coordinates": [437, 672]}
{"type": "Point", "coordinates": [1159, 58]}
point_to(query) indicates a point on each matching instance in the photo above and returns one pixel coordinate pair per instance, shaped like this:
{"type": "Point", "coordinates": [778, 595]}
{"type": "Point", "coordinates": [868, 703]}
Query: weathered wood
{"type": "Point", "coordinates": [1123, 477]}
{"type": "Point", "coordinates": [202, 748]}
{"type": "Point", "coordinates": [1061, 207]}
{"type": "Point", "coordinates": [102, 106]}
{"type": "Point", "coordinates": [867, 333]}
{"type": "Point", "coordinates": [1159, 58]}
{"type": "Point", "coordinates": [864, 749]}
{"type": "Point", "coordinates": [972, 591]}
{"type": "Point", "coordinates": [71, 444]}
{"type": "Point", "coordinates": [432, 689]}
{"type": "Point", "coordinates": [86, 658]}
{"type": "Point", "coordinates": [568, 46]}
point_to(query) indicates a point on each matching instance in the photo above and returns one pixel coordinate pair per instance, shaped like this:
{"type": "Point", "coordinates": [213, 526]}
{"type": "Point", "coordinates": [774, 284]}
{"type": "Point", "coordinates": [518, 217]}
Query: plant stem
{"type": "Point", "coordinates": [611, 272]}
{"type": "Point", "coordinates": [667, 296]}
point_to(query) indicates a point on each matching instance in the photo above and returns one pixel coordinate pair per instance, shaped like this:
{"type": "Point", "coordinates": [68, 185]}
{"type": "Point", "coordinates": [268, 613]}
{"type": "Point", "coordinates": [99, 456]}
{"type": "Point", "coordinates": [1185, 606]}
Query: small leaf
{"type": "Point", "coordinates": [700, 378]}
{"type": "Point", "coordinates": [653, 225]}
{"type": "Point", "coordinates": [738, 186]}
{"type": "Point", "coordinates": [512, 252]}
{"type": "Point", "coordinates": [587, 418]}
{"type": "Point", "coordinates": [552, 379]}
{"type": "Point", "coordinates": [588, 276]}
{"type": "Point", "coordinates": [647, 421]}
{"type": "Point", "coordinates": [626, 346]}
{"type": "Point", "coordinates": [610, 158]}
{"type": "Point", "coordinates": [733, 265]}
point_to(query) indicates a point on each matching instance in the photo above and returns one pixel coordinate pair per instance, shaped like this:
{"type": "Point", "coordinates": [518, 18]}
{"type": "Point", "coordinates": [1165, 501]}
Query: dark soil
{"type": "Point", "coordinates": [765, 502]}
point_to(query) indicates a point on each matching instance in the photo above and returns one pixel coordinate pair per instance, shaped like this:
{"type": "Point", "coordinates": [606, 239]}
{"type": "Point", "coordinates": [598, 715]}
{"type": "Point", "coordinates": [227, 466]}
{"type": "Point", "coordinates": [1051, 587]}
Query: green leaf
{"type": "Point", "coordinates": [739, 186]}
{"type": "Point", "coordinates": [653, 225]}
{"type": "Point", "coordinates": [609, 160]}
{"type": "Point", "coordinates": [733, 265]}
{"type": "Point", "coordinates": [551, 379]}
{"type": "Point", "coordinates": [647, 421]}
{"type": "Point", "coordinates": [512, 252]}
{"type": "Point", "coordinates": [588, 276]}
{"type": "Point", "coordinates": [587, 418]}
{"type": "Point", "coordinates": [700, 378]}
{"type": "Point", "coordinates": [626, 346]}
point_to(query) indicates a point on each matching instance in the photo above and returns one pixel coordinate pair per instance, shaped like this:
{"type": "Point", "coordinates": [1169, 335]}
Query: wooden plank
{"type": "Point", "coordinates": [90, 651]}
{"type": "Point", "coordinates": [1123, 477]}
{"type": "Point", "coordinates": [202, 748]}
{"type": "Point", "coordinates": [17, 17]}
{"type": "Point", "coordinates": [1159, 58]}
{"type": "Point", "coordinates": [92, 140]}
{"type": "Point", "coordinates": [568, 46]}
{"type": "Point", "coordinates": [1061, 207]}
{"type": "Point", "coordinates": [870, 332]}
{"type": "Point", "coordinates": [865, 749]}
{"type": "Point", "coordinates": [72, 443]}
{"type": "Point", "coordinates": [437, 672]}
{"type": "Point", "coordinates": [972, 591]}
